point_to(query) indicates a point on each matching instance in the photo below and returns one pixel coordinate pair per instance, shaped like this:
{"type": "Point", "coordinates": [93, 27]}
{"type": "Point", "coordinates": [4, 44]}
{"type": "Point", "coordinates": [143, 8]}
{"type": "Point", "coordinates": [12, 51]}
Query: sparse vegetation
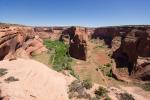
{"type": "Point", "coordinates": [77, 90]}
{"type": "Point", "coordinates": [145, 86]}
{"type": "Point", "coordinates": [99, 46]}
{"type": "Point", "coordinates": [60, 57]}
{"type": "Point", "coordinates": [87, 83]}
{"type": "Point", "coordinates": [109, 73]}
{"type": "Point", "coordinates": [11, 79]}
{"type": "Point", "coordinates": [106, 69]}
{"type": "Point", "coordinates": [108, 65]}
{"type": "Point", "coordinates": [126, 96]}
{"type": "Point", "coordinates": [3, 71]}
{"type": "Point", "coordinates": [109, 55]}
{"type": "Point", "coordinates": [101, 92]}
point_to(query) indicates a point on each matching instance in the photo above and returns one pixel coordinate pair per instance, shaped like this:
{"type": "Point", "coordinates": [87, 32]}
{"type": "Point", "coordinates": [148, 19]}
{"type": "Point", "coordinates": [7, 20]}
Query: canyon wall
{"type": "Point", "coordinates": [19, 41]}
{"type": "Point", "coordinates": [130, 48]}
{"type": "Point", "coordinates": [130, 45]}
{"type": "Point", "coordinates": [77, 38]}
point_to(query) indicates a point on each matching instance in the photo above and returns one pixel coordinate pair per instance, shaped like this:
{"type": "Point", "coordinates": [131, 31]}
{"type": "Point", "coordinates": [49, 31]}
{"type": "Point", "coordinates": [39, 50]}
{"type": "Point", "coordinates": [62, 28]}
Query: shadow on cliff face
{"type": "Point", "coordinates": [107, 39]}
{"type": "Point", "coordinates": [122, 61]}
{"type": "Point", "coordinates": [76, 38]}
{"type": "Point", "coordinates": [134, 53]}
{"type": "Point", "coordinates": [4, 51]}
{"type": "Point", "coordinates": [103, 34]}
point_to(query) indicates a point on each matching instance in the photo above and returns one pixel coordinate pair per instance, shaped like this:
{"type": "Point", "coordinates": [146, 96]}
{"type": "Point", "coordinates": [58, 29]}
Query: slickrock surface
{"type": "Point", "coordinates": [35, 81]}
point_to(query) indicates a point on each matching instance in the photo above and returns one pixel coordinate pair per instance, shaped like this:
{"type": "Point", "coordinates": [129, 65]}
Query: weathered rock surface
{"type": "Point", "coordinates": [130, 46]}
{"type": "Point", "coordinates": [32, 81]}
{"type": "Point", "coordinates": [77, 38]}
{"type": "Point", "coordinates": [14, 39]}
{"type": "Point", "coordinates": [134, 53]}
{"type": "Point", "coordinates": [49, 32]}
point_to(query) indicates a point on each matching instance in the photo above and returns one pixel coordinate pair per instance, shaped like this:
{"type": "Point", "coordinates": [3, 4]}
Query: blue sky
{"type": "Point", "coordinates": [75, 12]}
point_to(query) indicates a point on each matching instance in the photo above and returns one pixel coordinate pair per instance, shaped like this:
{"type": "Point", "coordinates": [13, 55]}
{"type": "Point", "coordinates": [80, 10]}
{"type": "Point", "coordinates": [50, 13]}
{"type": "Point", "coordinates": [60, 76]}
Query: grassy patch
{"type": "Point", "coordinates": [3, 71]}
{"type": "Point", "coordinates": [60, 57]}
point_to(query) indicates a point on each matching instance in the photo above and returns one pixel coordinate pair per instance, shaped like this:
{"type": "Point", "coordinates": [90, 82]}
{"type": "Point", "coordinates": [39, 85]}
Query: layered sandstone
{"type": "Point", "coordinates": [77, 38]}
{"type": "Point", "coordinates": [49, 32]}
{"type": "Point", "coordinates": [132, 50]}
{"type": "Point", "coordinates": [14, 42]}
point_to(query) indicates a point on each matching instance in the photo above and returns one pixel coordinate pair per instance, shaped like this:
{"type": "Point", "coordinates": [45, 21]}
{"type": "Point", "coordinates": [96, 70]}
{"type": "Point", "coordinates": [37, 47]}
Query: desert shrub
{"type": "Point", "coordinates": [145, 86]}
{"type": "Point", "coordinates": [109, 55]}
{"type": "Point", "coordinates": [96, 69]}
{"type": "Point", "coordinates": [101, 91]}
{"type": "Point", "coordinates": [106, 70]}
{"type": "Point", "coordinates": [108, 65]}
{"type": "Point", "coordinates": [87, 83]}
{"type": "Point", "coordinates": [126, 96]}
{"type": "Point", "coordinates": [76, 89]}
{"type": "Point", "coordinates": [3, 71]}
{"type": "Point", "coordinates": [109, 73]}
{"type": "Point", "coordinates": [11, 79]}
{"type": "Point", "coordinates": [74, 74]}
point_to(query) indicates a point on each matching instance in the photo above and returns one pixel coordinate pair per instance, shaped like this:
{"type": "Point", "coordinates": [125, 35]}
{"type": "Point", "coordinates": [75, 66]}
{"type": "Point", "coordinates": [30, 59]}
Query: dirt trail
{"type": "Point", "coordinates": [87, 69]}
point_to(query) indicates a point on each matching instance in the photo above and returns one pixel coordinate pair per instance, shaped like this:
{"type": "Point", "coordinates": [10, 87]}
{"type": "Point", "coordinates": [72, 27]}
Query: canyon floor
{"type": "Point", "coordinates": [94, 69]}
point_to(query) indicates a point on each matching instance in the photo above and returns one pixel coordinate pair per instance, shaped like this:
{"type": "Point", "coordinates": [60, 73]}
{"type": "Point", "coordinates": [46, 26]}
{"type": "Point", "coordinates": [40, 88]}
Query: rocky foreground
{"type": "Point", "coordinates": [30, 80]}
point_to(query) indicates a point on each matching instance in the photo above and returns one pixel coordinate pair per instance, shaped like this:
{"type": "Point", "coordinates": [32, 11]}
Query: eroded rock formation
{"type": "Point", "coordinates": [130, 46]}
{"type": "Point", "coordinates": [77, 38]}
{"type": "Point", "coordinates": [49, 32]}
{"type": "Point", "coordinates": [133, 51]}
{"type": "Point", "coordinates": [13, 42]}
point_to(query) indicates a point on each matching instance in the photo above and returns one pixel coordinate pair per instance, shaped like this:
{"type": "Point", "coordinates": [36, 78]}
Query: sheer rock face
{"type": "Point", "coordinates": [137, 47]}
{"type": "Point", "coordinates": [134, 50]}
{"type": "Point", "coordinates": [13, 38]}
{"type": "Point", "coordinates": [106, 34]}
{"type": "Point", "coordinates": [77, 38]}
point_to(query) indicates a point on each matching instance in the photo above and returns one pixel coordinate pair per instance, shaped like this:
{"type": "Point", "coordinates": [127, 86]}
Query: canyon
{"type": "Point", "coordinates": [128, 46]}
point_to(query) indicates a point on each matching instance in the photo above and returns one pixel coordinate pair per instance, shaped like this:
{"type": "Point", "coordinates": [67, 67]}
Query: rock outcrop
{"type": "Point", "coordinates": [133, 51]}
{"type": "Point", "coordinates": [77, 38]}
{"type": "Point", "coordinates": [14, 42]}
{"type": "Point", "coordinates": [31, 80]}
